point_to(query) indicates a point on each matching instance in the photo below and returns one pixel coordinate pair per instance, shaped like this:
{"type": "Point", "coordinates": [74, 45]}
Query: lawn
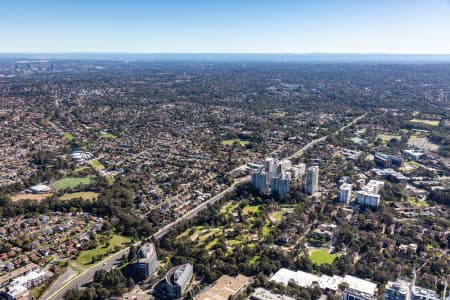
{"type": "Point", "coordinates": [71, 182]}
{"type": "Point", "coordinates": [321, 257]}
{"type": "Point", "coordinates": [250, 209]}
{"type": "Point", "coordinates": [107, 135]}
{"type": "Point", "coordinates": [276, 216]}
{"type": "Point", "coordinates": [211, 244]}
{"type": "Point", "coordinates": [231, 142]}
{"type": "Point", "coordinates": [254, 260]}
{"type": "Point", "coordinates": [426, 122]}
{"type": "Point", "coordinates": [68, 136]}
{"type": "Point", "coordinates": [418, 204]}
{"type": "Point", "coordinates": [96, 164]}
{"type": "Point", "coordinates": [85, 257]}
{"type": "Point", "coordinates": [228, 208]}
{"type": "Point", "coordinates": [83, 195]}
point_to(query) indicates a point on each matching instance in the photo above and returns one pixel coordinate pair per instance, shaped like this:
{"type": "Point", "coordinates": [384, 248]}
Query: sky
{"type": "Point", "coordinates": [226, 26]}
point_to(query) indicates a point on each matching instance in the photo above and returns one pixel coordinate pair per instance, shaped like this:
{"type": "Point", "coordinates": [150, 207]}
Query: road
{"type": "Point", "coordinates": [300, 152]}
{"type": "Point", "coordinates": [109, 262]}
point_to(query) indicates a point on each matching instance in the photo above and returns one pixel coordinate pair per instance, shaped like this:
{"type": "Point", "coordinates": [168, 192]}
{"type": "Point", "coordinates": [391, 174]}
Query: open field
{"type": "Point", "coordinates": [250, 209]}
{"type": "Point", "coordinates": [232, 141]}
{"type": "Point", "coordinates": [83, 195]}
{"type": "Point", "coordinates": [96, 164]}
{"type": "Point", "coordinates": [321, 257]}
{"type": "Point", "coordinates": [422, 143]}
{"type": "Point", "coordinates": [228, 208]}
{"type": "Point", "coordinates": [71, 182]}
{"type": "Point", "coordinates": [33, 197]}
{"type": "Point", "coordinates": [276, 216]}
{"type": "Point", "coordinates": [417, 203]}
{"type": "Point", "coordinates": [85, 257]}
{"type": "Point", "coordinates": [425, 122]}
{"type": "Point", "coordinates": [68, 136]}
{"type": "Point", "coordinates": [107, 135]}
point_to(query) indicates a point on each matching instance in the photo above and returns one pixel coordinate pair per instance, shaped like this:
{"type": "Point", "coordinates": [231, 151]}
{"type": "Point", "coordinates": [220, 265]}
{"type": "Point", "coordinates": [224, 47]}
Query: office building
{"type": "Point", "coordinates": [224, 288]}
{"type": "Point", "coordinates": [388, 161]}
{"type": "Point", "coordinates": [419, 293]}
{"type": "Point", "coordinates": [176, 282]}
{"type": "Point", "coordinates": [403, 289]}
{"type": "Point", "coordinates": [352, 294]}
{"type": "Point", "coordinates": [312, 180]}
{"type": "Point", "coordinates": [414, 154]}
{"type": "Point", "coordinates": [263, 294]}
{"type": "Point", "coordinates": [398, 290]}
{"type": "Point", "coordinates": [147, 260]}
{"type": "Point", "coordinates": [345, 193]}
{"type": "Point", "coordinates": [357, 288]}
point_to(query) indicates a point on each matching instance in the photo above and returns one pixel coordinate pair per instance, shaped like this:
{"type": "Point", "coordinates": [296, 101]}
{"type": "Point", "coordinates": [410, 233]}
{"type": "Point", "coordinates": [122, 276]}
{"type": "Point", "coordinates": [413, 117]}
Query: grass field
{"type": "Point", "coordinates": [425, 122]}
{"type": "Point", "coordinates": [83, 195]}
{"type": "Point", "coordinates": [33, 197]}
{"type": "Point", "coordinates": [228, 208]}
{"type": "Point", "coordinates": [419, 204]}
{"type": "Point", "coordinates": [276, 216]}
{"type": "Point", "coordinates": [71, 182]}
{"type": "Point", "coordinates": [85, 257]}
{"type": "Point", "coordinates": [68, 136]}
{"type": "Point", "coordinates": [232, 141]}
{"type": "Point", "coordinates": [250, 209]}
{"type": "Point", "coordinates": [321, 257]}
{"type": "Point", "coordinates": [96, 164]}
{"type": "Point", "coordinates": [107, 135]}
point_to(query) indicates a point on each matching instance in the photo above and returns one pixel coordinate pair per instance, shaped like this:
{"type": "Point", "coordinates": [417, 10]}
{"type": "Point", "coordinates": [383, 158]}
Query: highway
{"type": "Point", "coordinates": [109, 262]}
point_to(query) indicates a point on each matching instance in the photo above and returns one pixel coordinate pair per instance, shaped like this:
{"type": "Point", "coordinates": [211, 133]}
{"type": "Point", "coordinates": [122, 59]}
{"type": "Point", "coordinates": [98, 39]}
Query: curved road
{"type": "Point", "coordinates": [109, 262]}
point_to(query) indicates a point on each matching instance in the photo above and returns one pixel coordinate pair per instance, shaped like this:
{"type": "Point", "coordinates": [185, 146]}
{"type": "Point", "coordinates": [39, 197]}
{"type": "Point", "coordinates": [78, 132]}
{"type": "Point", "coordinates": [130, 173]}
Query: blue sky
{"type": "Point", "coordinates": [244, 26]}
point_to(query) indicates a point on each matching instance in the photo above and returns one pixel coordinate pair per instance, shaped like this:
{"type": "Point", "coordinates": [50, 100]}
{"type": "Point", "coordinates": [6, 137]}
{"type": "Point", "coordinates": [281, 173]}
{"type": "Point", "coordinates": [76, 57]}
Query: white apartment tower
{"type": "Point", "coordinates": [345, 193]}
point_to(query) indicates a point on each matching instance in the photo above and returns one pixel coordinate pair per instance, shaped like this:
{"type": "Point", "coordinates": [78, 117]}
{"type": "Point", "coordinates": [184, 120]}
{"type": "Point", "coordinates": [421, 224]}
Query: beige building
{"type": "Point", "coordinates": [225, 287]}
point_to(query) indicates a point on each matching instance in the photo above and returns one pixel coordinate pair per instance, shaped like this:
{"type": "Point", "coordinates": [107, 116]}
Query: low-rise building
{"type": "Point", "coordinates": [224, 288]}
{"type": "Point", "coordinates": [263, 294]}
{"type": "Point", "coordinates": [357, 287]}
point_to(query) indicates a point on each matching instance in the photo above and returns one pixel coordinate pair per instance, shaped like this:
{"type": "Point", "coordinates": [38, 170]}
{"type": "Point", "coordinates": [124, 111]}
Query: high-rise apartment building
{"type": "Point", "coordinates": [312, 180]}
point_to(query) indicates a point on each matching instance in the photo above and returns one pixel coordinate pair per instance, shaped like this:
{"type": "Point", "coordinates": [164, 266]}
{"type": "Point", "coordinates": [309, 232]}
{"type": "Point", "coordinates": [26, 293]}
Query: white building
{"type": "Point", "coordinates": [367, 199]}
{"type": "Point", "coordinates": [369, 196]}
{"type": "Point", "coordinates": [18, 287]}
{"type": "Point", "coordinates": [312, 180]}
{"type": "Point", "coordinates": [403, 289]}
{"type": "Point", "coordinates": [263, 294]}
{"type": "Point", "coordinates": [345, 193]}
{"type": "Point", "coordinates": [356, 286]}
{"type": "Point", "coordinates": [40, 189]}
